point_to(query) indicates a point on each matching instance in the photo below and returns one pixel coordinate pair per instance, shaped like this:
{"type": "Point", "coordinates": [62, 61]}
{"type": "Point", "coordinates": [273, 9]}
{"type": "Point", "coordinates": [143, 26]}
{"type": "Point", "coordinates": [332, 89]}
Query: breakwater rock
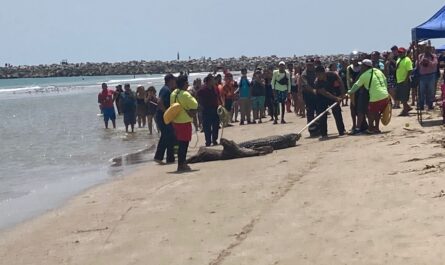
{"type": "Point", "coordinates": [149, 67]}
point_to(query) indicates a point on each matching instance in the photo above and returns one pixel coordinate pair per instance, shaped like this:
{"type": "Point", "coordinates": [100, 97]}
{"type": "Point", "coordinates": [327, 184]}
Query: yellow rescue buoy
{"type": "Point", "coordinates": [387, 114]}
{"type": "Point", "coordinates": [172, 112]}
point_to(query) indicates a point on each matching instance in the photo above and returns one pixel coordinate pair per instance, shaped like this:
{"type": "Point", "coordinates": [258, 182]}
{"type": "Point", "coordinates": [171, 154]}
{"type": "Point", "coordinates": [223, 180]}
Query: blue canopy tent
{"type": "Point", "coordinates": [434, 28]}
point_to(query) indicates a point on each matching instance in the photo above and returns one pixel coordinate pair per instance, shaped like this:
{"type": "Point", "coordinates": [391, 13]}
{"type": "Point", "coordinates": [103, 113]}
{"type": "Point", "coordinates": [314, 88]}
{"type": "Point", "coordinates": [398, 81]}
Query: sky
{"type": "Point", "coordinates": [48, 31]}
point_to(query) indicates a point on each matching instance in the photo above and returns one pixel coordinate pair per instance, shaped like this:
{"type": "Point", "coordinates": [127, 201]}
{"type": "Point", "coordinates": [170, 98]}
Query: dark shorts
{"type": "Point", "coordinates": [258, 103]}
{"type": "Point", "coordinates": [402, 91]}
{"type": "Point", "coordinates": [141, 110]}
{"type": "Point", "coordinates": [361, 99]}
{"type": "Point", "coordinates": [228, 103]}
{"type": "Point", "coordinates": [294, 89]}
{"type": "Point", "coordinates": [109, 114]}
{"type": "Point", "coordinates": [129, 118]}
{"type": "Point", "coordinates": [280, 96]}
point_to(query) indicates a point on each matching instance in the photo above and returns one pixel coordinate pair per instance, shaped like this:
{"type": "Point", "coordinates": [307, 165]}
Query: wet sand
{"type": "Point", "coordinates": [349, 200]}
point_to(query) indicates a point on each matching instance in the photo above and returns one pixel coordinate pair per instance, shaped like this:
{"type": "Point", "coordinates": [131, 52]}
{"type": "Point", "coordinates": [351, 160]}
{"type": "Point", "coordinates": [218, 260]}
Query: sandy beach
{"type": "Point", "coordinates": [349, 200]}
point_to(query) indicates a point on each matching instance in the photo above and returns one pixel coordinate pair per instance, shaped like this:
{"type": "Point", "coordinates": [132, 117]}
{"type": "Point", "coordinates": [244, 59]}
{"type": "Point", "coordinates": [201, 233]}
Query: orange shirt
{"type": "Point", "coordinates": [228, 91]}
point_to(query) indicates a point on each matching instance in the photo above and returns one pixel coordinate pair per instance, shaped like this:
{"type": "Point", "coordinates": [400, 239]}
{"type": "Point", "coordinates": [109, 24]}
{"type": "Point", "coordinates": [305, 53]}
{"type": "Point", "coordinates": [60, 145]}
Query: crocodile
{"type": "Point", "coordinates": [277, 141]}
{"type": "Point", "coordinates": [232, 150]}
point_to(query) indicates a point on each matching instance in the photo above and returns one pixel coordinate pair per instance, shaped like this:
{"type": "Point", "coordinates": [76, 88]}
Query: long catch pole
{"type": "Point", "coordinates": [318, 117]}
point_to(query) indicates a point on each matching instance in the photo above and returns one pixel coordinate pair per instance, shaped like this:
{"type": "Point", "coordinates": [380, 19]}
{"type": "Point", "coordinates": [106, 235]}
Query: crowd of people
{"type": "Point", "coordinates": [366, 83]}
{"type": "Point", "coordinates": [137, 107]}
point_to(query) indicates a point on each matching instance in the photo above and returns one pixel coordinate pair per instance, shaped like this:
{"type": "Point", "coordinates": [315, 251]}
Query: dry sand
{"type": "Point", "coordinates": [349, 200]}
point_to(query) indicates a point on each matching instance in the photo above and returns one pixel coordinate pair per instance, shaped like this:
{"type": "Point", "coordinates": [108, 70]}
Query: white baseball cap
{"type": "Point", "coordinates": [367, 62]}
{"type": "Point", "coordinates": [282, 63]}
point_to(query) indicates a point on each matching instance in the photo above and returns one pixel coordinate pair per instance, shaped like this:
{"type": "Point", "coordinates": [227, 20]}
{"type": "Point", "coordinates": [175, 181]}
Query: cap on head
{"type": "Point", "coordinates": [401, 50]}
{"type": "Point", "coordinates": [282, 63]}
{"type": "Point", "coordinates": [367, 62]}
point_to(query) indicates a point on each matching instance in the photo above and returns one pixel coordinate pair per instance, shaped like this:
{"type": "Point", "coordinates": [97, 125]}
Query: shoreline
{"type": "Point", "coordinates": [377, 192]}
{"type": "Point", "coordinates": [114, 168]}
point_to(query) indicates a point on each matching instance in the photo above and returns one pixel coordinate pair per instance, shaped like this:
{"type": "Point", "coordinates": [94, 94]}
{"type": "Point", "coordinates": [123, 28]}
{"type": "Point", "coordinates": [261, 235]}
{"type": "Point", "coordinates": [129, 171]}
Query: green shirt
{"type": "Point", "coordinates": [187, 102]}
{"type": "Point", "coordinates": [379, 87]}
{"type": "Point", "coordinates": [404, 66]}
{"type": "Point", "coordinates": [277, 76]}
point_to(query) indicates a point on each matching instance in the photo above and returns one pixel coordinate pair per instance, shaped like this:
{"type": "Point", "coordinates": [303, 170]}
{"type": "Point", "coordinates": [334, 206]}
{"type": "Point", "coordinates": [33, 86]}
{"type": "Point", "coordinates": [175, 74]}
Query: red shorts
{"type": "Point", "coordinates": [378, 106]}
{"type": "Point", "coordinates": [183, 131]}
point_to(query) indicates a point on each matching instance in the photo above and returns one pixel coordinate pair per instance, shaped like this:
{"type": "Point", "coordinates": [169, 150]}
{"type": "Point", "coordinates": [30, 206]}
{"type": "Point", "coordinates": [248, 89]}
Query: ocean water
{"type": "Point", "coordinates": [54, 145]}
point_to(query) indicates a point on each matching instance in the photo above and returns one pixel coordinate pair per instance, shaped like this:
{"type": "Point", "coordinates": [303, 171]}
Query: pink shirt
{"type": "Point", "coordinates": [430, 66]}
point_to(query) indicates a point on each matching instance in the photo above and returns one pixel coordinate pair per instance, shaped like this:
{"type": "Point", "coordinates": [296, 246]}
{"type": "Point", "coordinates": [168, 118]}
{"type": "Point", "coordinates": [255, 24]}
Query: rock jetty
{"type": "Point", "coordinates": [65, 69]}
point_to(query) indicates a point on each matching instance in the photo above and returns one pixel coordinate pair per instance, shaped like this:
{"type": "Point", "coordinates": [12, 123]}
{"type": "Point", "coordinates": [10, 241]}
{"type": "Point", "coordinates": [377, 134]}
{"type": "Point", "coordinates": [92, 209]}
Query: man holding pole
{"type": "Point", "coordinates": [330, 91]}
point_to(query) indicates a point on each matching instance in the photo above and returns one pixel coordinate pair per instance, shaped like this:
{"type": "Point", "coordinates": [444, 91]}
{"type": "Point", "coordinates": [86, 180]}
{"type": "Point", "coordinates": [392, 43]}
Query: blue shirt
{"type": "Point", "coordinates": [244, 88]}
{"type": "Point", "coordinates": [164, 96]}
{"type": "Point", "coordinates": [128, 102]}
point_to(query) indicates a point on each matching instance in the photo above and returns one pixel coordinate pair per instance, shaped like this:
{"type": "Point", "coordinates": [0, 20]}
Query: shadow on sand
{"type": "Point", "coordinates": [431, 123]}
{"type": "Point", "coordinates": [182, 172]}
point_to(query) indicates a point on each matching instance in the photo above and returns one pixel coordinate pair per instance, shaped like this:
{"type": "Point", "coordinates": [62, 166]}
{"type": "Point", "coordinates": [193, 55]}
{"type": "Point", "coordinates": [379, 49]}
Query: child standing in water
{"type": "Point", "coordinates": [141, 107]}
{"type": "Point", "coordinates": [150, 103]}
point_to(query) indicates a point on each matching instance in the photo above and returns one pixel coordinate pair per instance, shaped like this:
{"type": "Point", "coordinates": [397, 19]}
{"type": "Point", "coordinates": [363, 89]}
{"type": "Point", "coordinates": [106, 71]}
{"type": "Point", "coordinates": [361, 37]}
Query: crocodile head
{"type": "Point", "coordinates": [294, 137]}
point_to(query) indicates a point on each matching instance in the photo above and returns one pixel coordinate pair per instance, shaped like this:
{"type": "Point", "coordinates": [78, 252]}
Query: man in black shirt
{"type": "Point", "coordinates": [167, 139]}
{"type": "Point", "coordinates": [330, 90]}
